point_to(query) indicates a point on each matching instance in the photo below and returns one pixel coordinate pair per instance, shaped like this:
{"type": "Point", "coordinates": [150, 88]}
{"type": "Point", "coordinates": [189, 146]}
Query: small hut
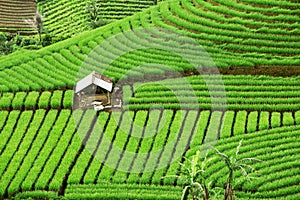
{"type": "Point", "coordinates": [95, 91]}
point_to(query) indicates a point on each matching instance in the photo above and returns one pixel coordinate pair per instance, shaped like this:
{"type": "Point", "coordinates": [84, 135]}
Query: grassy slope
{"type": "Point", "coordinates": [251, 93]}
{"type": "Point", "coordinates": [71, 54]}
{"type": "Point", "coordinates": [277, 174]}
{"type": "Point", "coordinates": [27, 169]}
{"type": "Point", "coordinates": [246, 46]}
{"type": "Point", "coordinates": [64, 19]}
{"type": "Point", "coordinates": [18, 16]}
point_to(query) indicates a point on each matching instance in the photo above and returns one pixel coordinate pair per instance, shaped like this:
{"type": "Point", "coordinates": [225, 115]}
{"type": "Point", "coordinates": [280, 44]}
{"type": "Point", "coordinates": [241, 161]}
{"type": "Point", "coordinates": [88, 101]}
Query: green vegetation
{"type": "Point", "coordinates": [122, 191]}
{"type": "Point", "coordinates": [242, 93]}
{"type": "Point", "coordinates": [18, 17]}
{"type": "Point", "coordinates": [193, 176]}
{"type": "Point", "coordinates": [54, 137]}
{"type": "Point", "coordinates": [233, 163]}
{"type": "Point", "coordinates": [10, 43]}
{"type": "Point", "coordinates": [64, 19]}
{"type": "Point", "coordinates": [225, 46]}
{"type": "Point", "coordinates": [173, 109]}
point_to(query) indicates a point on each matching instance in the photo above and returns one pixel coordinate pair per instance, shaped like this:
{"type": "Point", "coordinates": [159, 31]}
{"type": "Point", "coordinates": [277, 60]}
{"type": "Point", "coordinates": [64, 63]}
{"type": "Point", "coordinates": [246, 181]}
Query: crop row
{"type": "Point", "coordinates": [161, 138]}
{"type": "Point", "coordinates": [280, 14]}
{"type": "Point", "coordinates": [191, 51]}
{"type": "Point", "coordinates": [278, 148]}
{"type": "Point", "coordinates": [188, 135]}
{"type": "Point", "coordinates": [13, 140]}
{"type": "Point", "coordinates": [120, 191]}
{"type": "Point", "coordinates": [256, 94]}
{"type": "Point", "coordinates": [40, 153]}
{"type": "Point", "coordinates": [91, 145]}
{"type": "Point", "coordinates": [223, 61]}
{"type": "Point", "coordinates": [89, 174]}
{"type": "Point", "coordinates": [129, 162]}
{"type": "Point", "coordinates": [67, 157]}
{"type": "Point", "coordinates": [211, 27]}
{"type": "Point", "coordinates": [243, 23]}
{"type": "Point", "coordinates": [127, 132]}
{"type": "Point", "coordinates": [64, 18]}
{"type": "Point", "coordinates": [265, 121]}
{"type": "Point", "coordinates": [36, 146]}
{"type": "Point", "coordinates": [208, 92]}
{"type": "Point", "coordinates": [276, 161]}
{"type": "Point", "coordinates": [37, 195]}
{"type": "Point", "coordinates": [11, 149]}
{"type": "Point", "coordinates": [229, 26]}
{"type": "Point", "coordinates": [50, 139]}
{"type": "Point", "coordinates": [65, 58]}
{"type": "Point", "coordinates": [209, 30]}
{"type": "Point", "coordinates": [207, 37]}
{"type": "Point", "coordinates": [36, 140]}
{"type": "Point", "coordinates": [283, 4]}
{"type": "Point", "coordinates": [66, 127]}
{"type": "Point", "coordinates": [136, 39]}
{"type": "Point", "coordinates": [41, 100]}
{"type": "Point", "coordinates": [117, 9]}
{"type": "Point", "coordinates": [13, 17]}
{"type": "Point", "coordinates": [12, 177]}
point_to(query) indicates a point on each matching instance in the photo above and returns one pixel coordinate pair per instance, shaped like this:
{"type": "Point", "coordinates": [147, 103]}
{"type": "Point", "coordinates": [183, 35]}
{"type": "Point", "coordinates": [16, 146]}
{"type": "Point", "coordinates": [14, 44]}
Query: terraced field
{"type": "Point", "coordinates": [264, 48]}
{"type": "Point", "coordinates": [45, 153]}
{"type": "Point", "coordinates": [18, 16]}
{"type": "Point", "coordinates": [67, 18]}
{"type": "Point", "coordinates": [177, 98]}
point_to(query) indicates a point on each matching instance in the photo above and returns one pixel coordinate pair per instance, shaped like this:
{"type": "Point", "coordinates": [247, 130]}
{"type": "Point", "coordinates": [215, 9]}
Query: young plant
{"type": "Point", "coordinates": [193, 178]}
{"type": "Point", "coordinates": [234, 163]}
{"type": "Point", "coordinates": [93, 11]}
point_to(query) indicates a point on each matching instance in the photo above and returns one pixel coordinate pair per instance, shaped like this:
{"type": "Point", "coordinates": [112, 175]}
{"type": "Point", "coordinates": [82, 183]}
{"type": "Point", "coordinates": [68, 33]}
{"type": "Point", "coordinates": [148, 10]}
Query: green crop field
{"type": "Point", "coordinates": [63, 19]}
{"type": "Point", "coordinates": [195, 76]}
{"type": "Point", "coordinates": [18, 16]}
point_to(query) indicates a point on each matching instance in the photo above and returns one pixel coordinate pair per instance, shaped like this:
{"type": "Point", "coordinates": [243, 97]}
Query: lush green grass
{"type": "Point", "coordinates": [278, 173]}
{"type": "Point", "coordinates": [63, 19]}
{"type": "Point", "coordinates": [217, 92]}
{"type": "Point", "coordinates": [45, 144]}
{"type": "Point", "coordinates": [227, 43]}
{"type": "Point", "coordinates": [45, 149]}
{"type": "Point", "coordinates": [122, 191]}
{"type": "Point", "coordinates": [195, 92]}
{"type": "Point", "coordinates": [41, 150]}
{"type": "Point", "coordinates": [18, 17]}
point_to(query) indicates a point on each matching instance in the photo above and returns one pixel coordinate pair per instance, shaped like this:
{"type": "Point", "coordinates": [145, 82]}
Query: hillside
{"type": "Point", "coordinates": [193, 73]}
{"type": "Point", "coordinates": [63, 19]}
{"type": "Point", "coordinates": [18, 16]}
{"type": "Point", "coordinates": [230, 45]}
{"type": "Point", "coordinates": [54, 158]}
{"type": "Point", "coordinates": [60, 19]}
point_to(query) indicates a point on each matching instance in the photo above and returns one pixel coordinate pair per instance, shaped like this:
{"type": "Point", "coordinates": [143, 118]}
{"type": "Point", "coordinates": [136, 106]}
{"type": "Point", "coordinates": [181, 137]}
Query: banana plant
{"type": "Point", "coordinates": [193, 178]}
{"type": "Point", "coordinates": [234, 163]}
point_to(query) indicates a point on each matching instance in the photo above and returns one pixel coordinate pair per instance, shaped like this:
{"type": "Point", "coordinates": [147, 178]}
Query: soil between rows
{"type": "Point", "coordinates": [275, 71]}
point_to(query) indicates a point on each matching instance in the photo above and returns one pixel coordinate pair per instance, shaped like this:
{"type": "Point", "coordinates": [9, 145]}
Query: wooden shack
{"type": "Point", "coordinates": [95, 91]}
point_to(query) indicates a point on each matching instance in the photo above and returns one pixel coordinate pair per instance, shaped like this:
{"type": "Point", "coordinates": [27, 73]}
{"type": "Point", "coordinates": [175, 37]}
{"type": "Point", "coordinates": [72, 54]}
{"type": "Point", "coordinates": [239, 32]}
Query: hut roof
{"type": "Point", "coordinates": [96, 79]}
